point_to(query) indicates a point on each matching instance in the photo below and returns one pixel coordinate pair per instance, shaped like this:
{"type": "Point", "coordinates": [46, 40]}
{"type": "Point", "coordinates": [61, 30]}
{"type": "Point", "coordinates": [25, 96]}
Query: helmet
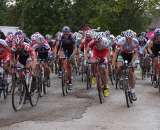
{"type": "Point", "coordinates": [157, 30]}
{"type": "Point", "coordinates": [112, 36]}
{"type": "Point", "coordinates": [39, 38]}
{"type": "Point", "coordinates": [19, 37]}
{"type": "Point", "coordinates": [143, 34]}
{"type": "Point", "coordinates": [66, 29]}
{"type": "Point", "coordinates": [98, 38]}
{"type": "Point", "coordinates": [107, 32]}
{"type": "Point", "coordinates": [9, 38]}
{"type": "Point", "coordinates": [122, 33]}
{"type": "Point", "coordinates": [129, 34]}
{"type": "Point", "coordinates": [33, 37]}
{"type": "Point", "coordinates": [48, 36]}
{"type": "Point", "coordinates": [141, 38]}
{"type": "Point", "coordinates": [9, 33]}
{"type": "Point", "coordinates": [87, 35]}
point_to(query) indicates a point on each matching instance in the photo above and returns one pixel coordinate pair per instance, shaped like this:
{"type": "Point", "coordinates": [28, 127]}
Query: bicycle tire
{"type": "Point", "coordinates": [32, 102]}
{"type": "Point", "coordinates": [100, 94]}
{"type": "Point", "coordinates": [88, 79]}
{"type": "Point", "coordinates": [45, 86]}
{"type": "Point", "coordinates": [22, 94]}
{"type": "Point", "coordinates": [40, 86]}
{"type": "Point", "coordinates": [127, 98]}
{"type": "Point", "coordinates": [64, 91]}
{"type": "Point", "coordinates": [130, 97]}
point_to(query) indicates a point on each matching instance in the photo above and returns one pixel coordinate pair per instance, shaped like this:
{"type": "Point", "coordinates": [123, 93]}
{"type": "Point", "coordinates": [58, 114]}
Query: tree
{"type": "Point", "coordinates": [3, 9]}
{"type": "Point", "coordinates": [49, 16]}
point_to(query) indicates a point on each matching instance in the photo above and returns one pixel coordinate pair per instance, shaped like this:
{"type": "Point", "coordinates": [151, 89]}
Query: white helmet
{"type": "Point", "coordinates": [38, 38]}
{"type": "Point", "coordinates": [129, 33]}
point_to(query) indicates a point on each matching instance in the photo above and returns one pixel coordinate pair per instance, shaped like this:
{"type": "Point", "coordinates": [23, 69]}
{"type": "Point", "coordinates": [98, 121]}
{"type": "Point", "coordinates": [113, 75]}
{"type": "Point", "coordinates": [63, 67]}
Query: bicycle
{"type": "Point", "coordinates": [145, 64]}
{"type": "Point", "coordinates": [125, 83]}
{"type": "Point", "coordinates": [64, 79]}
{"type": "Point", "coordinates": [43, 81]}
{"type": "Point", "coordinates": [26, 88]}
{"type": "Point", "coordinates": [88, 76]}
{"type": "Point", "coordinates": [99, 66]}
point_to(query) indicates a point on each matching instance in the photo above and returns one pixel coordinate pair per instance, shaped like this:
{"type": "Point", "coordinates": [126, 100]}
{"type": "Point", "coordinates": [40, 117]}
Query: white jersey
{"type": "Point", "coordinates": [127, 47]}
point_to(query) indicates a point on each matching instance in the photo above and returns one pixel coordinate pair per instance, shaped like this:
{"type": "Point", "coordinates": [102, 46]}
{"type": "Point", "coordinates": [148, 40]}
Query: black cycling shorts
{"type": "Point", "coordinates": [127, 56]}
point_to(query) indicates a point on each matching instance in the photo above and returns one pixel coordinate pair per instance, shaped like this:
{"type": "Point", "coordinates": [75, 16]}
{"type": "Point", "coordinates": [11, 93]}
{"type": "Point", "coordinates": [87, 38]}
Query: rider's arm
{"type": "Point", "coordinates": [115, 57]}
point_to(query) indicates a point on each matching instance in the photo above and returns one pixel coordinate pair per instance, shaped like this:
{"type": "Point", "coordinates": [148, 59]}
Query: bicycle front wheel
{"type": "Point", "coordinates": [34, 94]}
{"type": "Point", "coordinates": [63, 81]}
{"type": "Point", "coordinates": [18, 96]}
{"type": "Point", "coordinates": [100, 92]}
{"type": "Point", "coordinates": [89, 84]}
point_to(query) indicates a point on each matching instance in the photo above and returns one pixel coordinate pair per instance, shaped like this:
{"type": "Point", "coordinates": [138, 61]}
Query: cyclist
{"type": "Point", "coordinates": [42, 48]}
{"type": "Point", "coordinates": [9, 39]}
{"type": "Point", "coordinates": [84, 44]}
{"type": "Point", "coordinates": [127, 49]}
{"type": "Point", "coordinates": [142, 43]}
{"type": "Point", "coordinates": [24, 51]}
{"type": "Point", "coordinates": [100, 51]}
{"type": "Point", "coordinates": [67, 46]}
{"type": "Point", "coordinates": [154, 49]}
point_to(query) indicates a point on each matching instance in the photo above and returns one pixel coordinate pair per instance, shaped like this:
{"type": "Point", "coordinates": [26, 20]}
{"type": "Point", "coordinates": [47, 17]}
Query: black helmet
{"type": "Point", "coordinates": [66, 29]}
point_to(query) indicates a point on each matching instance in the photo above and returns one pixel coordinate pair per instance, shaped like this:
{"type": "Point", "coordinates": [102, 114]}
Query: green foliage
{"type": "Point", "coordinates": [49, 16]}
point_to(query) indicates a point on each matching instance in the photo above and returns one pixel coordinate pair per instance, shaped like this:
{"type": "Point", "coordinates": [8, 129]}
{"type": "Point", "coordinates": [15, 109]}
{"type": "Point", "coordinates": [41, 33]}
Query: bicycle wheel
{"type": "Point", "coordinates": [63, 81]}
{"type": "Point", "coordinates": [116, 81]}
{"type": "Point", "coordinates": [18, 96]}
{"type": "Point", "coordinates": [82, 71]}
{"type": "Point", "coordinates": [34, 94]}
{"type": "Point", "coordinates": [45, 85]}
{"type": "Point", "coordinates": [130, 97]}
{"type": "Point", "coordinates": [127, 98]}
{"type": "Point", "coordinates": [100, 92]}
{"type": "Point", "coordinates": [126, 91]}
{"type": "Point", "coordinates": [40, 86]}
{"type": "Point", "coordinates": [89, 84]}
{"type": "Point", "coordinates": [158, 83]}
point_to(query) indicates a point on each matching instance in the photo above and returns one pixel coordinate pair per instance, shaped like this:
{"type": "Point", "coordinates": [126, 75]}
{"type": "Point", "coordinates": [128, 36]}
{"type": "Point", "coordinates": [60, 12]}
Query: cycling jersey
{"type": "Point", "coordinates": [42, 50]}
{"type": "Point", "coordinates": [126, 49]}
{"type": "Point", "coordinates": [24, 51]}
{"type": "Point", "coordinates": [98, 53]}
{"type": "Point", "coordinates": [142, 46]}
{"type": "Point", "coordinates": [67, 44]}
